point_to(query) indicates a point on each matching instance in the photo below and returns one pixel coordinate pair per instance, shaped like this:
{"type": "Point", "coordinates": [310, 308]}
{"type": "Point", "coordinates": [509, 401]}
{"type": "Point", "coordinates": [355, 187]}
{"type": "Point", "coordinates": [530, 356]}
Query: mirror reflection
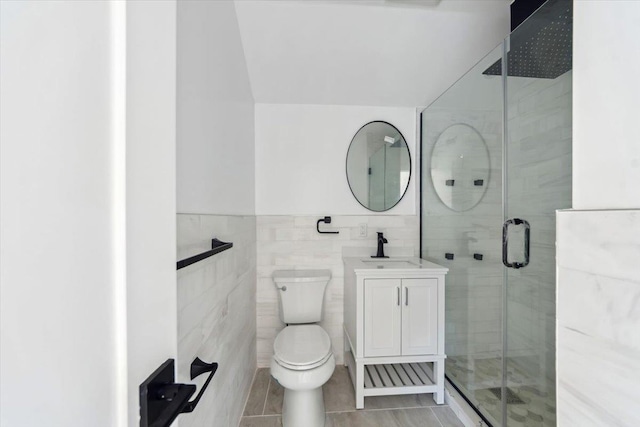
{"type": "Point", "coordinates": [378, 166]}
{"type": "Point", "coordinates": [460, 167]}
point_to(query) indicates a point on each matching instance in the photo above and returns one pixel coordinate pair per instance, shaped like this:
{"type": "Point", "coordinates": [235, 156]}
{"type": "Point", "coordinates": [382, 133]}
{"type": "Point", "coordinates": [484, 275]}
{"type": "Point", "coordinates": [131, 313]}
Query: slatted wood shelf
{"type": "Point", "coordinates": [398, 378]}
{"type": "Point", "coordinates": [397, 375]}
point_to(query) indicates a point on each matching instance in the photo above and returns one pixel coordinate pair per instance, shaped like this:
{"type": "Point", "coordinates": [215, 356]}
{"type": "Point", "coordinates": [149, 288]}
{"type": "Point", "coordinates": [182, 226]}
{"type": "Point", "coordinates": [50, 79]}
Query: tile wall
{"type": "Point", "coordinates": [292, 242]}
{"type": "Point", "coordinates": [474, 288]}
{"type": "Point", "coordinates": [216, 313]}
{"type": "Point", "coordinates": [598, 318]}
{"type": "Point", "coordinates": [539, 183]}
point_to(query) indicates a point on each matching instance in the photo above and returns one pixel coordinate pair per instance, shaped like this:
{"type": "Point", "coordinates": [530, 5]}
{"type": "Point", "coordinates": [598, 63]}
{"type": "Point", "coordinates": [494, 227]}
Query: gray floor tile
{"type": "Point", "coordinates": [399, 401]}
{"type": "Point", "coordinates": [447, 417]}
{"type": "Point", "coordinates": [415, 410]}
{"type": "Point", "coordinates": [338, 392]}
{"type": "Point", "coordinates": [258, 394]}
{"type": "Point", "coordinates": [418, 417]}
{"type": "Point", "coordinates": [361, 419]}
{"type": "Point", "coordinates": [275, 395]}
{"type": "Point", "coordinates": [271, 421]}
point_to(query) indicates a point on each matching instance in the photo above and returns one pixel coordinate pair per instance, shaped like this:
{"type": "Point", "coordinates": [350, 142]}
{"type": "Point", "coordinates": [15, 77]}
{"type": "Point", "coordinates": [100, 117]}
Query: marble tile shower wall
{"type": "Point", "coordinates": [598, 318]}
{"type": "Point", "coordinates": [292, 242]}
{"type": "Point", "coordinates": [474, 292]}
{"type": "Point", "coordinates": [216, 313]}
{"type": "Point", "coordinates": [539, 161]}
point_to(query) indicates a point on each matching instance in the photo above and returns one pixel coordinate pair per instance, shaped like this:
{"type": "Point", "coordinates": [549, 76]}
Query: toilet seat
{"type": "Point", "coordinates": [302, 347]}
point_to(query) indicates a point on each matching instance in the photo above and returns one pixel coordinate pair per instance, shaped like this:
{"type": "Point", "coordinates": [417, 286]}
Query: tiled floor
{"type": "Point", "coordinates": [264, 406]}
{"type": "Point", "coordinates": [476, 378]}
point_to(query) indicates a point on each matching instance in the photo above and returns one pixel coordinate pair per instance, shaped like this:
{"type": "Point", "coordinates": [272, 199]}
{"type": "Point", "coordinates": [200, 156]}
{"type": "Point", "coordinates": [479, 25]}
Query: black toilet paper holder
{"type": "Point", "coordinates": [162, 399]}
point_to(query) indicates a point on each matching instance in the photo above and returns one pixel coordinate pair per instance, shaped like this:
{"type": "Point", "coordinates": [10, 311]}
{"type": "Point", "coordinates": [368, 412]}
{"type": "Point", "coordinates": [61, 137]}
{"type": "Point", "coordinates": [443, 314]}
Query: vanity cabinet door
{"type": "Point", "coordinates": [419, 316]}
{"type": "Point", "coordinates": [382, 317]}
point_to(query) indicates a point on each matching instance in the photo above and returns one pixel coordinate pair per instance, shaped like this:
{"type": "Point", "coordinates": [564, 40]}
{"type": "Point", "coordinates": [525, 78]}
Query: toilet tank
{"type": "Point", "coordinates": [301, 294]}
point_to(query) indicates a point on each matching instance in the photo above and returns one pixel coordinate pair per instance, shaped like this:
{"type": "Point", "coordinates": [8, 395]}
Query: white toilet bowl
{"type": "Point", "coordinates": [302, 362]}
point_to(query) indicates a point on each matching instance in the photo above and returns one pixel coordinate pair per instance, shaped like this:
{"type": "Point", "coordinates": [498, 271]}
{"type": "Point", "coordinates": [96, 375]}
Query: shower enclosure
{"type": "Point", "coordinates": [496, 165]}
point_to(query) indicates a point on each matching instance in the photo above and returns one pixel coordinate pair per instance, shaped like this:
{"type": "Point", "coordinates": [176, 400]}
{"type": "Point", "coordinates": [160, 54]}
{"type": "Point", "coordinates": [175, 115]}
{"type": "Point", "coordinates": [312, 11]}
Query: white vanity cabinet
{"type": "Point", "coordinates": [400, 317]}
{"type": "Point", "coordinates": [394, 326]}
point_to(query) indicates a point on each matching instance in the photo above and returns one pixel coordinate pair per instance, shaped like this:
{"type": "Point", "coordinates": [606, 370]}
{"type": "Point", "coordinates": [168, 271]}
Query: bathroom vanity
{"type": "Point", "coordinates": [394, 326]}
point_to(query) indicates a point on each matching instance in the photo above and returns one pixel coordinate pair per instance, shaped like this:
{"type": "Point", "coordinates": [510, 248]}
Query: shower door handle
{"type": "Point", "coordinates": [505, 242]}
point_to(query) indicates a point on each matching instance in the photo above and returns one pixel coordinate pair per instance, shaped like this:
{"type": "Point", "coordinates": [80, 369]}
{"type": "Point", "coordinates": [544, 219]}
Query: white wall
{"type": "Point", "coordinates": [215, 153]}
{"type": "Point", "coordinates": [216, 198]}
{"type": "Point", "coordinates": [598, 282]}
{"type": "Point", "coordinates": [150, 191]}
{"type": "Point", "coordinates": [58, 340]}
{"type": "Point", "coordinates": [88, 208]}
{"type": "Point", "coordinates": [365, 52]}
{"type": "Point", "coordinates": [301, 156]}
{"type": "Point", "coordinates": [606, 101]}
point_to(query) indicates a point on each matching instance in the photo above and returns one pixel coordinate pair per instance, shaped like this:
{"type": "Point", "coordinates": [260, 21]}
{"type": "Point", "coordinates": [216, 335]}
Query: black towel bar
{"type": "Point", "coordinates": [217, 246]}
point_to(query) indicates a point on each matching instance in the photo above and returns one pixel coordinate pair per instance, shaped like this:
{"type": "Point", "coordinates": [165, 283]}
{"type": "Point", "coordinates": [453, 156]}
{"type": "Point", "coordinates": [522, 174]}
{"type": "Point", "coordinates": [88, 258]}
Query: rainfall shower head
{"type": "Point", "coordinates": [541, 47]}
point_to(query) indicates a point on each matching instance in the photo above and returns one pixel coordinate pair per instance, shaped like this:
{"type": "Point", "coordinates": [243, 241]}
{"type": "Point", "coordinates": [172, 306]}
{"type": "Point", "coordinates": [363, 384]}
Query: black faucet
{"type": "Point", "coordinates": [381, 242]}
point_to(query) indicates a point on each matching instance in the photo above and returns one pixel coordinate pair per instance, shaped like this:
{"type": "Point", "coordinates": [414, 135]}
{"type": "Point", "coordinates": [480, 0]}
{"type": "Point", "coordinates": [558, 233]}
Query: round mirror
{"type": "Point", "coordinates": [460, 167]}
{"type": "Point", "coordinates": [378, 166]}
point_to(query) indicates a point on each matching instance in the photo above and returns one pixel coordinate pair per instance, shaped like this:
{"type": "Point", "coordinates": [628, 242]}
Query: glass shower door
{"type": "Point", "coordinates": [537, 177]}
{"type": "Point", "coordinates": [494, 226]}
{"type": "Point", "coordinates": [462, 215]}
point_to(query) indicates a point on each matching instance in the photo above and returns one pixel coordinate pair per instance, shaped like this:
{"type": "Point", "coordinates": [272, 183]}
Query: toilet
{"type": "Point", "coordinates": [302, 358]}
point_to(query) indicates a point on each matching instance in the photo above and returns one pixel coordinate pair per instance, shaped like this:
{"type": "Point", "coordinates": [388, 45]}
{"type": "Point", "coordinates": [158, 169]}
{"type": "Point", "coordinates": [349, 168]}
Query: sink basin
{"type": "Point", "coordinates": [391, 263]}
{"type": "Point", "coordinates": [386, 266]}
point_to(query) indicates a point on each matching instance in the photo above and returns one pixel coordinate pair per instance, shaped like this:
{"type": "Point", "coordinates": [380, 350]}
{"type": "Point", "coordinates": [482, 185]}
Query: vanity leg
{"type": "Point", "coordinates": [438, 368]}
{"type": "Point", "coordinates": [346, 349]}
{"type": "Point", "coordinates": [359, 385]}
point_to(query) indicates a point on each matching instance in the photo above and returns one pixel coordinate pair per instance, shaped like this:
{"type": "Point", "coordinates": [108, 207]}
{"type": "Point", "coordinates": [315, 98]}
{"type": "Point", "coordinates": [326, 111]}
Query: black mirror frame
{"type": "Point", "coordinates": [347, 170]}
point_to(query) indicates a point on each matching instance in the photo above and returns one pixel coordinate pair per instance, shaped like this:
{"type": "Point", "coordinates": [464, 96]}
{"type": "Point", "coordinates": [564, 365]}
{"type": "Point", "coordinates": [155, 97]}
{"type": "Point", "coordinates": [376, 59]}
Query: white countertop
{"type": "Point", "coordinates": [393, 264]}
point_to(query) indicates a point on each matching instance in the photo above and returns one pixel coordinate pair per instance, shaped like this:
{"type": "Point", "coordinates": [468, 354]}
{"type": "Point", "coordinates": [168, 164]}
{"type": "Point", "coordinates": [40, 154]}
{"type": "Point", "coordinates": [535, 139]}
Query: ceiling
{"type": "Point", "coordinates": [364, 52]}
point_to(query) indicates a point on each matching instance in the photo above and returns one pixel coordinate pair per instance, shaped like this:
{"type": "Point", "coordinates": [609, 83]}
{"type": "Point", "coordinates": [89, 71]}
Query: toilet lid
{"type": "Point", "coordinates": [302, 345]}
